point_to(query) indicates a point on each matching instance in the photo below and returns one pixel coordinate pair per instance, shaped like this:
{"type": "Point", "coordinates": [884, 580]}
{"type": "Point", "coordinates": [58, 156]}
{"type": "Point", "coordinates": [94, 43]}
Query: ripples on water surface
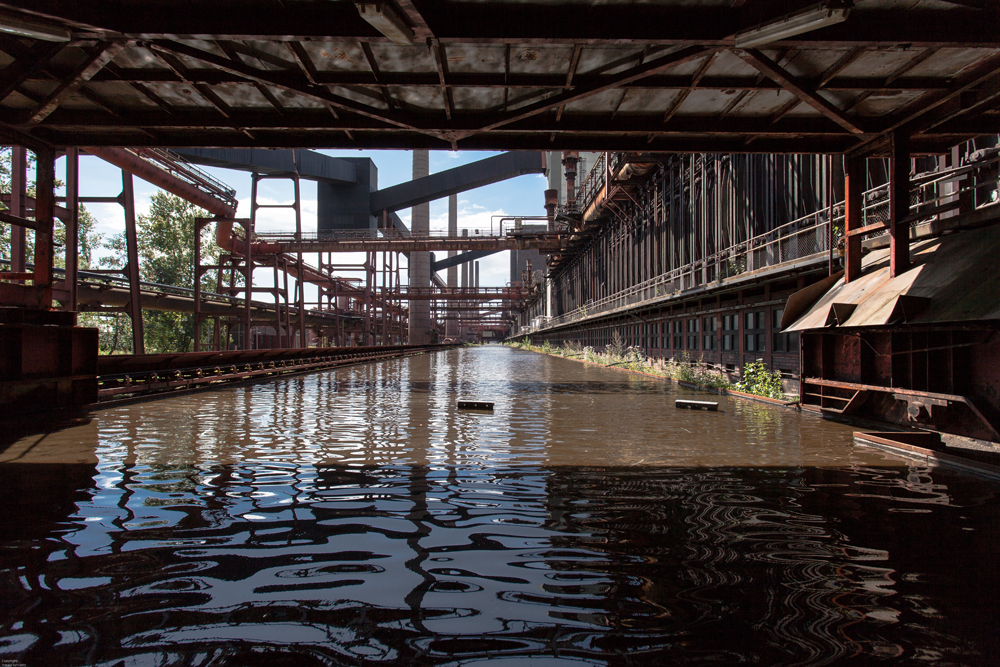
{"type": "Point", "coordinates": [355, 517]}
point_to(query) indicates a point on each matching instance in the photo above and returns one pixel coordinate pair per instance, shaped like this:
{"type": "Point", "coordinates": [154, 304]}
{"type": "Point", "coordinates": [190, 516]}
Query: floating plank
{"type": "Point", "coordinates": [475, 405]}
{"type": "Point", "coordinates": [696, 405]}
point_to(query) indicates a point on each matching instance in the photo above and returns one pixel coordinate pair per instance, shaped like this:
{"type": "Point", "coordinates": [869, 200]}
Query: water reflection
{"type": "Point", "coordinates": [355, 517]}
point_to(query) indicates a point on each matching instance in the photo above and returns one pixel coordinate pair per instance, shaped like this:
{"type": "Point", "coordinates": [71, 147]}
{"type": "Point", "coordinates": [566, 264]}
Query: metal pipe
{"type": "Point", "coordinates": [135, 165]}
{"type": "Point", "coordinates": [569, 160]}
{"type": "Point", "coordinates": [551, 202]}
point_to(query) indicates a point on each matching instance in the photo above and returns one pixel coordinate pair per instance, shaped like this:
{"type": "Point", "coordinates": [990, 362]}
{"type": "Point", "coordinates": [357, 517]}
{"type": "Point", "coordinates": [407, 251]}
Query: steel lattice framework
{"type": "Point", "coordinates": [663, 75]}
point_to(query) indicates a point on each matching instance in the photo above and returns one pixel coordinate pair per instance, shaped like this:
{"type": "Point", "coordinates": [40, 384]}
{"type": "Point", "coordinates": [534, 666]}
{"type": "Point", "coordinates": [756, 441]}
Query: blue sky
{"type": "Point", "coordinates": [519, 196]}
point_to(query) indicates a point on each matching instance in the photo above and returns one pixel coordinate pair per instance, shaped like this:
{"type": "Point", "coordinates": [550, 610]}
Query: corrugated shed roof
{"type": "Point", "coordinates": [953, 279]}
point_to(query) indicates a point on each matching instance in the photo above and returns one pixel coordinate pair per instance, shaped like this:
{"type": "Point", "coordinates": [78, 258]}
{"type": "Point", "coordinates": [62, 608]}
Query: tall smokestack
{"type": "Point", "coordinates": [420, 262]}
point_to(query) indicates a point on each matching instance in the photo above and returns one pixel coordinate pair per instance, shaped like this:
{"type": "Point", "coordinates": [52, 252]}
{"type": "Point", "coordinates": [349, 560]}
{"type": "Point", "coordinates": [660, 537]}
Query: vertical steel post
{"type": "Point", "coordinates": [854, 179]}
{"type": "Point", "coordinates": [72, 262]}
{"type": "Point", "coordinates": [132, 265]}
{"type": "Point", "coordinates": [199, 224]}
{"type": "Point", "coordinates": [369, 306]}
{"type": "Point", "coordinates": [45, 204]}
{"type": "Point", "coordinates": [300, 282]}
{"type": "Point", "coordinates": [247, 276]}
{"type": "Point", "coordinates": [18, 207]}
{"type": "Point", "coordinates": [899, 205]}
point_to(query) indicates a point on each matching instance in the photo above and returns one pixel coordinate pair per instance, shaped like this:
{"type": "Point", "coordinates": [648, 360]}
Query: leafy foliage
{"type": "Point", "coordinates": [166, 257]}
{"type": "Point", "coordinates": [758, 380]}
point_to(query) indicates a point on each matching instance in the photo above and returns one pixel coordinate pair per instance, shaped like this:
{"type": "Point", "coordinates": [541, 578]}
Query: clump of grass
{"type": "Point", "coordinates": [756, 379]}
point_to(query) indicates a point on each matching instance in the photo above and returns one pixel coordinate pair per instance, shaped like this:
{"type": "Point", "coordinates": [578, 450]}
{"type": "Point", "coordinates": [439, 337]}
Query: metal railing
{"type": "Point", "coordinates": [592, 185]}
{"type": "Point", "coordinates": [179, 166]}
{"type": "Point", "coordinates": [500, 227]}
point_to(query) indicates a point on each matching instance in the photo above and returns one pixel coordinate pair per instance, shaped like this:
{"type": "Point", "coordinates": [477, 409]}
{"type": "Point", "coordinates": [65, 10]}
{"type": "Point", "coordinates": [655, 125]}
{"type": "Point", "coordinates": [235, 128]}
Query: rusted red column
{"type": "Point", "coordinates": [899, 205]}
{"type": "Point", "coordinates": [854, 178]}
{"type": "Point", "coordinates": [45, 206]}
{"type": "Point", "coordinates": [72, 225]}
{"type": "Point", "coordinates": [132, 267]}
{"type": "Point", "coordinates": [18, 205]}
{"type": "Point", "coordinates": [199, 225]}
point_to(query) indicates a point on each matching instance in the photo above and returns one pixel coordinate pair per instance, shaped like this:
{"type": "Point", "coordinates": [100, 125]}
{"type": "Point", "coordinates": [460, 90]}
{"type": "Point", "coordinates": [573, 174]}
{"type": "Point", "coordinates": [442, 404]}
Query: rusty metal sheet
{"type": "Point", "coordinates": [956, 274]}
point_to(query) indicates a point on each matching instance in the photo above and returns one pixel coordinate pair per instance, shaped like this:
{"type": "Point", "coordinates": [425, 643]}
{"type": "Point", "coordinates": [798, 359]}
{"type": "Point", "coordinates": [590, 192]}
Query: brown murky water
{"type": "Point", "coordinates": [355, 517]}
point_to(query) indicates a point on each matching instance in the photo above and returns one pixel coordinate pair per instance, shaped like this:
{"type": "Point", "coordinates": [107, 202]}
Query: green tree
{"type": "Point", "coordinates": [166, 257]}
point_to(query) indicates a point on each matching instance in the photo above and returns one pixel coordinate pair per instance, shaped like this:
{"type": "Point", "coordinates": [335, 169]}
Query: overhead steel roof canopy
{"type": "Point", "coordinates": [661, 75]}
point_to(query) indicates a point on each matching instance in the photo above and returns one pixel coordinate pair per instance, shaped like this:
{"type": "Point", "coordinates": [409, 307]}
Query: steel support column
{"type": "Point", "coordinates": [72, 226]}
{"type": "Point", "coordinates": [45, 204]}
{"type": "Point", "coordinates": [18, 207]}
{"type": "Point", "coordinates": [132, 265]}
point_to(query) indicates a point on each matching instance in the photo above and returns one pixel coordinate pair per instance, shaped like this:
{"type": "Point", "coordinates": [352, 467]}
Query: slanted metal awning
{"type": "Point", "coordinates": [953, 279]}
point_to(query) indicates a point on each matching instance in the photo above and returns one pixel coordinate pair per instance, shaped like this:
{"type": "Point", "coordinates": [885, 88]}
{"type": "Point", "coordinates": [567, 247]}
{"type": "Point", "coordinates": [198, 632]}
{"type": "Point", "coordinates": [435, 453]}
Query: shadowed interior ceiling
{"type": "Point", "coordinates": [661, 75]}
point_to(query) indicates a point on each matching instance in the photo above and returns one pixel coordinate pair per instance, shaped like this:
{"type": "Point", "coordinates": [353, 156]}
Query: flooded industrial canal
{"type": "Point", "coordinates": [355, 517]}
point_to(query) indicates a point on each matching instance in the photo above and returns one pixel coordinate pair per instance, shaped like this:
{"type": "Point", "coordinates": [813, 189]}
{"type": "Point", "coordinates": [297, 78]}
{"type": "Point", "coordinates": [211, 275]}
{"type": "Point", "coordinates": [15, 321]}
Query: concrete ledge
{"type": "Point", "coordinates": [919, 447]}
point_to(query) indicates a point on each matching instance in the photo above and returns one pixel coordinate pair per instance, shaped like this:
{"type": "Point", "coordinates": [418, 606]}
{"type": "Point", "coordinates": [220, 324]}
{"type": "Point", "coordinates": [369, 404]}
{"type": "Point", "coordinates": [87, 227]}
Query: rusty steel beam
{"type": "Point", "coordinates": [268, 78]}
{"type": "Point", "coordinates": [555, 81]}
{"type": "Point", "coordinates": [900, 71]}
{"type": "Point", "coordinates": [94, 297]}
{"type": "Point", "coordinates": [781, 76]}
{"type": "Point", "coordinates": [97, 60]}
{"type": "Point", "coordinates": [181, 127]}
{"type": "Point", "coordinates": [133, 164]}
{"type": "Point", "coordinates": [514, 23]}
{"type": "Point", "coordinates": [410, 244]}
{"type": "Point", "coordinates": [19, 71]}
{"type": "Point", "coordinates": [674, 59]}
{"type": "Point", "coordinates": [672, 109]}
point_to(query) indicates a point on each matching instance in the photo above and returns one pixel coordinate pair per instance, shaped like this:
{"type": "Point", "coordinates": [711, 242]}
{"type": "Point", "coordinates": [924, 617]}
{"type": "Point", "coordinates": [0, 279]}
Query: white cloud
{"type": "Point", "coordinates": [280, 219]}
{"type": "Point", "coordinates": [111, 217]}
